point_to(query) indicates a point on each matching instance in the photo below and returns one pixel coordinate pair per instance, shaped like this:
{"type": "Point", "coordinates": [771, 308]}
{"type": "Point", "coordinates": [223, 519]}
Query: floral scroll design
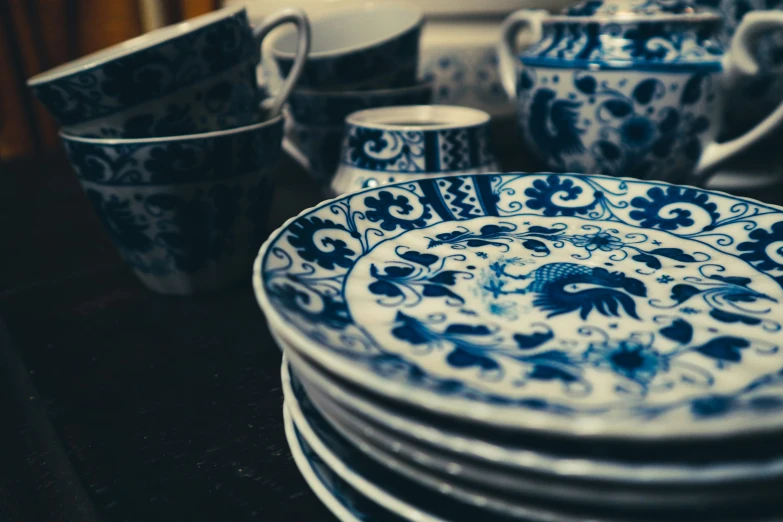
{"type": "Point", "coordinates": [149, 74]}
{"type": "Point", "coordinates": [375, 149]}
{"type": "Point", "coordinates": [309, 280]}
{"type": "Point", "coordinates": [635, 129]}
{"type": "Point", "coordinates": [645, 42]}
{"type": "Point", "coordinates": [416, 276]}
{"type": "Point", "coordinates": [640, 368]}
{"type": "Point", "coordinates": [169, 232]}
{"type": "Point", "coordinates": [687, 212]}
{"type": "Point", "coordinates": [670, 351]}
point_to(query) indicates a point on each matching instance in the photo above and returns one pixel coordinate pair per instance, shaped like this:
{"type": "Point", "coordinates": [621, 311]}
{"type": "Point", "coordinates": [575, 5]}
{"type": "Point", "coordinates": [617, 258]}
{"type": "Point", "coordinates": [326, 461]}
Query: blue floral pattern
{"type": "Point", "coordinates": [155, 73]}
{"type": "Point", "coordinates": [182, 208]}
{"type": "Point", "coordinates": [500, 305]}
{"type": "Point", "coordinates": [644, 44]}
{"type": "Point", "coordinates": [226, 101]}
{"type": "Point", "coordinates": [651, 212]}
{"type": "Point", "coordinates": [617, 123]}
{"type": "Point", "coordinates": [418, 151]}
{"type": "Point", "coordinates": [639, 7]}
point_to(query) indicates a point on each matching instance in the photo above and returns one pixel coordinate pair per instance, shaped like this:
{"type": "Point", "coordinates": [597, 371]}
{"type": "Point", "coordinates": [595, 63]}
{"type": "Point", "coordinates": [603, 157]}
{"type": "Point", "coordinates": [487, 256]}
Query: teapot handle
{"type": "Point", "coordinates": [529, 19]}
{"type": "Point", "coordinates": [739, 62]}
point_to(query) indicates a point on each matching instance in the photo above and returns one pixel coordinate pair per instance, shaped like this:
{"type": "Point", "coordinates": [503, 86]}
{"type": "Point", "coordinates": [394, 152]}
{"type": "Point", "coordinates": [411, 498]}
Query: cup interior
{"type": "Point", "coordinates": [352, 29]}
{"type": "Point", "coordinates": [419, 117]}
{"type": "Point", "coordinates": [128, 47]}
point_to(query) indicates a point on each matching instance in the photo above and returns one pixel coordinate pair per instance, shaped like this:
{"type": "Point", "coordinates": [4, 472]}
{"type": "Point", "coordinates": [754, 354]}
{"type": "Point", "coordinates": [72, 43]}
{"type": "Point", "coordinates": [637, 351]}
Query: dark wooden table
{"type": "Point", "coordinates": [118, 404]}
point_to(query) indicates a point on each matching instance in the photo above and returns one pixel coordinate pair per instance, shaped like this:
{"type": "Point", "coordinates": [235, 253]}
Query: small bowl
{"type": "Point", "coordinates": [314, 132]}
{"type": "Point", "coordinates": [393, 144]}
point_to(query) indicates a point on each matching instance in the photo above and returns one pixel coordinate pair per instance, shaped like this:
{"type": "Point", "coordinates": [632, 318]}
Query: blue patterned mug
{"type": "Point", "coordinates": [196, 76]}
{"type": "Point", "coordinates": [418, 141]}
{"type": "Point", "coordinates": [314, 131]}
{"type": "Point", "coordinates": [367, 46]}
{"type": "Point", "coordinates": [186, 213]}
{"type": "Point", "coordinates": [630, 87]}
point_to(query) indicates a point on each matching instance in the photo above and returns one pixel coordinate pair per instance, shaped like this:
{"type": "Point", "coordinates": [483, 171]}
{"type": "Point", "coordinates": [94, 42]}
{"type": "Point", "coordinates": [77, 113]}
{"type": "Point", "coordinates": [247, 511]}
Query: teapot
{"type": "Point", "coordinates": [630, 87]}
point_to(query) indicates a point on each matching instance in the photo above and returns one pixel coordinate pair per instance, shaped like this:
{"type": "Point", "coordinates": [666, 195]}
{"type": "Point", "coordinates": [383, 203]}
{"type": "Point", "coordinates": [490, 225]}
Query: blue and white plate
{"type": "Point", "coordinates": [351, 471]}
{"type": "Point", "coordinates": [465, 479]}
{"type": "Point", "coordinates": [569, 304]}
{"type": "Point", "coordinates": [464, 451]}
{"type": "Point", "coordinates": [345, 503]}
{"type": "Point", "coordinates": [408, 490]}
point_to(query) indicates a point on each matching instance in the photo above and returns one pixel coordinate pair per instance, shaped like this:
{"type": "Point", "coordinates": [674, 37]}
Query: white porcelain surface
{"type": "Point", "coordinates": [348, 28]}
{"type": "Point", "coordinates": [187, 213]}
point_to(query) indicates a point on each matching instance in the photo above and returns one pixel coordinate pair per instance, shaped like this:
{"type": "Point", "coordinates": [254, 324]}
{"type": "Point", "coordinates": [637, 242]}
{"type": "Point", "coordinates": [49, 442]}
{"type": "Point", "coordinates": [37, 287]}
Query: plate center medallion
{"type": "Point", "coordinates": [600, 317]}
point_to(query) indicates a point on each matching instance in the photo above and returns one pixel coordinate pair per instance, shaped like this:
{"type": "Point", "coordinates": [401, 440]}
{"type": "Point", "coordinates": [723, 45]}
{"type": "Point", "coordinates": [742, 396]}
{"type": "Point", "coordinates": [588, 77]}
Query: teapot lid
{"type": "Point", "coordinates": [634, 9]}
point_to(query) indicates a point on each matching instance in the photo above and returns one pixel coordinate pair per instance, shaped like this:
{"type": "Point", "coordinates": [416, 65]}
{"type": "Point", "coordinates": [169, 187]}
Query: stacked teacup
{"type": "Point", "coordinates": [175, 146]}
{"type": "Point", "coordinates": [363, 56]}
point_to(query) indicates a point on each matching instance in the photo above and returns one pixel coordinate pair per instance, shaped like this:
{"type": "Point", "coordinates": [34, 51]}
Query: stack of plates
{"type": "Point", "coordinates": [533, 347]}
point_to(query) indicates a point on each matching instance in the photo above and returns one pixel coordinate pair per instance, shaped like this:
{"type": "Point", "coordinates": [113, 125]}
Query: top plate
{"type": "Point", "coordinates": [582, 305]}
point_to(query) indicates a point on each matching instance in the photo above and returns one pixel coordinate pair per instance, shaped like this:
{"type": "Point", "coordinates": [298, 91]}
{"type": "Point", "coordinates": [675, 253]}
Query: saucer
{"type": "Point", "coordinates": [522, 455]}
{"type": "Point", "coordinates": [401, 453]}
{"type": "Point", "coordinates": [345, 503]}
{"type": "Point", "coordinates": [392, 493]}
{"type": "Point", "coordinates": [398, 487]}
{"type": "Point", "coordinates": [550, 303]}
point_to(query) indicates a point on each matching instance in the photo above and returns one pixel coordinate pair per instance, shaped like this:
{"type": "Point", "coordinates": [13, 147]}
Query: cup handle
{"type": "Point", "coordinates": [297, 17]}
{"type": "Point", "coordinates": [739, 62]}
{"type": "Point", "coordinates": [295, 154]}
{"type": "Point", "coordinates": [529, 19]}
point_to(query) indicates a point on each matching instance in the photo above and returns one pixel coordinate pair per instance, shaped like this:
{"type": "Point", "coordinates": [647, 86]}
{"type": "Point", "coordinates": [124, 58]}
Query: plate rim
{"type": "Point", "coordinates": [361, 484]}
{"type": "Point", "coordinates": [484, 413]}
{"type": "Point", "coordinates": [309, 475]}
{"type": "Point", "coordinates": [726, 473]}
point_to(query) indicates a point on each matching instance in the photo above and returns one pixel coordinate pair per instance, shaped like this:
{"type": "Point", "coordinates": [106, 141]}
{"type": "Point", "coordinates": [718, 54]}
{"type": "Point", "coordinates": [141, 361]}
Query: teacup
{"type": "Point", "coordinates": [186, 213]}
{"type": "Point", "coordinates": [631, 87]}
{"type": "Point", "coordinates": [314, 131]}
{"type": "Point", "coordinates": [193, 77]}
{"type": "Point", "coordinates": [402, 143]}
{"type": "Point", "coordinates": [367, 46]}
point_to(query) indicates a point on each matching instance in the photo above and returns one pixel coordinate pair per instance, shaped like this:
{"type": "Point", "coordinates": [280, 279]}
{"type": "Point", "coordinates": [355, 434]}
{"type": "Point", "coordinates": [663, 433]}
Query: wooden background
{"type": "Point", "coordinates": [36, 35]}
